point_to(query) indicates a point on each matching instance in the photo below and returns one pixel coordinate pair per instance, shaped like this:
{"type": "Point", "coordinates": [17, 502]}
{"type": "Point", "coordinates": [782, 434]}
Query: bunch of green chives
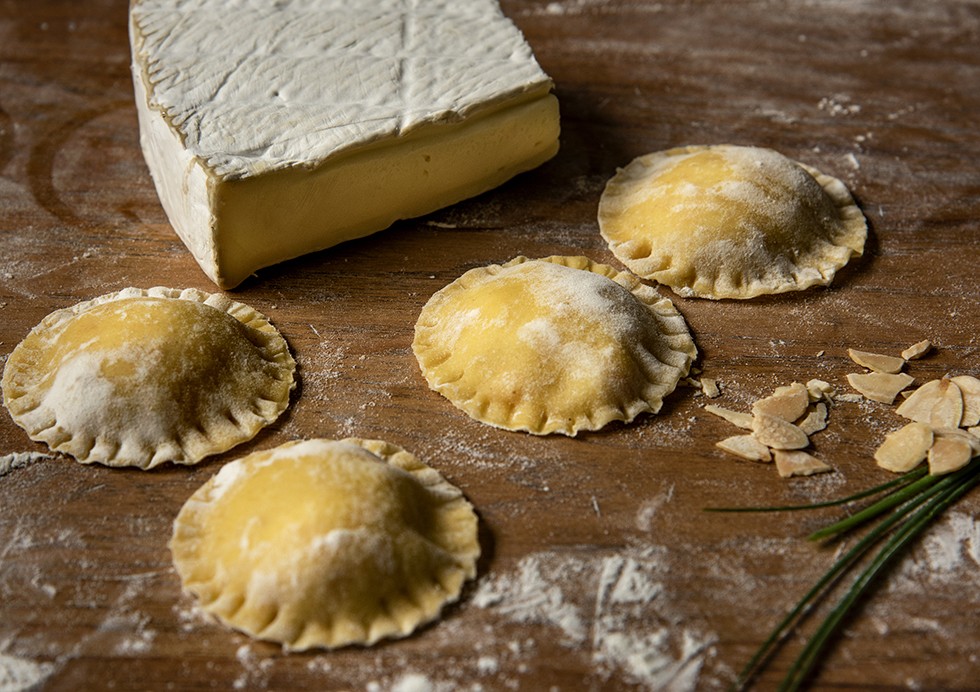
{"type": "Point", "coordinates": [904, 509]}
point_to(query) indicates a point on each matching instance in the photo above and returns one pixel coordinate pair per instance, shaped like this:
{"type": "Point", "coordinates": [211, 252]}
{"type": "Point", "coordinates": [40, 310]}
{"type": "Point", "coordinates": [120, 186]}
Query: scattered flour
{"type": "Point", "coordinates": [578, 7]}
{"type": "Point", "coordinates": [190, 617]}
{"type": "Point", "coordinates": [255, 669]}
{"type": "Point", "coordinates": [413, 682]}
{"type": "Point", "coordinates": [487, 665]}
{"type": "Point", "coordinates": [19, 674]}
{"type": "Point", "coordinates": [416, 682]}
{"type": "Point", "coordinates": [19, 460]}
{"type": "Point", "coordinates": [647, 654]}
{"type": "Point", "coordinates": [625, 626]}
{"type": "Point", "coordinates": [136, 637]}
{"type": "Point", "coordinates": [839, 105]}
{"type": "Point", "coordinates": [529, 597]}
{"type": "Point", "coordinates": [647, 511]}
{"type": "Point", "coordinates": [949, 554]}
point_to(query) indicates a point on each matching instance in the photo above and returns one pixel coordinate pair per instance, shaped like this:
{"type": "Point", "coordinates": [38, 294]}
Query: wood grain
{"type": "Point", "coordinates": [600, 571]}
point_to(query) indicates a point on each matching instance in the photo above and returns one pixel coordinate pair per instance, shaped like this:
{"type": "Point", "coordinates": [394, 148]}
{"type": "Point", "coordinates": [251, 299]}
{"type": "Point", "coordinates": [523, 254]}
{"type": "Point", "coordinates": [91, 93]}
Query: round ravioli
{"type": "Point", "coordinates": [555, 345]}
{"type": "Point", "coordinates": [729, 221]}
{"type": "Point", "coordinates": [324, 543]}
{"type": "Point", "coordinates": [142, 377]}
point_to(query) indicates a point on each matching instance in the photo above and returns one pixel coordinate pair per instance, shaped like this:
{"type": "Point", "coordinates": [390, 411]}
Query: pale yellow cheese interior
{"type": "Point", "coordinates": [268, 149]}
{"type": "Point", "coordinates": [266, 219]}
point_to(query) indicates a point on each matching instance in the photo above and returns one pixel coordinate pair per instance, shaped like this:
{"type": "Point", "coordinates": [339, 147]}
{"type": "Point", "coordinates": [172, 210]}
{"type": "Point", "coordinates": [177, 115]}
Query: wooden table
{"type": "Point", "coordinates": [600, 570]}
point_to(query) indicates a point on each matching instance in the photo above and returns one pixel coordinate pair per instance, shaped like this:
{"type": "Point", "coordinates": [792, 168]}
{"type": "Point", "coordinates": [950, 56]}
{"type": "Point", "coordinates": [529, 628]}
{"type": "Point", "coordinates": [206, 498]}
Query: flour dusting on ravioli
{"type": "Point", "coordinates": [326, 543]}
{"type": "Point", "coordinates": [142, 377]}
{"type": "Point", "coordinates": [729, 221]}
{"type": "Point", "coordinates": [556, 345]}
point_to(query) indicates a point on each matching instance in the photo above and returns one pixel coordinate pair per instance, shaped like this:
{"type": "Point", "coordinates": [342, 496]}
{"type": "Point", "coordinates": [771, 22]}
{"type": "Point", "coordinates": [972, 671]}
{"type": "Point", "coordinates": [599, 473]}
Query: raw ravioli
{"type": "Point", "coordinates": [730, 222]}
{"type": "Point", "coordinates": [142, 377]}
{"type": "Point", "coordinates": [324, 543]}
{"type": "Point", "coordinates": [555, 345]}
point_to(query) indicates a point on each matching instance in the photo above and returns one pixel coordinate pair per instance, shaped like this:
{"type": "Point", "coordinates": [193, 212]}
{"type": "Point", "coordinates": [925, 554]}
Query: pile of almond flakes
{"type": "Point", "coordinates": [944, 416]}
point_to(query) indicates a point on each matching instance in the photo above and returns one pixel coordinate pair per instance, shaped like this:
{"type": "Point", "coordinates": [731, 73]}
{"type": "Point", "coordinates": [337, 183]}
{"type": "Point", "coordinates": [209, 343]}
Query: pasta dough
{"type": "Point", "coordinates": [323, 543]}
{"type": "Point", "coordinates": [141, 377]}
{"type": "Point", "coordinates": [560, 344]}
{"type": "Point", "coordinates": [730, 222]}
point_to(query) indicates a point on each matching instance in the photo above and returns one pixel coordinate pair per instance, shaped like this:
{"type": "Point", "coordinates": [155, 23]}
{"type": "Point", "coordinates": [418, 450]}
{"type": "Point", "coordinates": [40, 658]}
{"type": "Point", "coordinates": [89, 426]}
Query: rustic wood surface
{"type": "Point", "coordinates": [600, 570]}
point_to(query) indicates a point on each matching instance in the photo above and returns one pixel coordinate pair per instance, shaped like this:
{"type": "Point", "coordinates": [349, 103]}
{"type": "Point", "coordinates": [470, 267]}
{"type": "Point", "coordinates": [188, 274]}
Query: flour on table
{"type": "Point", "coordinates": [839, 105]}
{"type": "Point", "coordinates": [487, 665]}
{"type": "Point", "coordinates": [948, 553]}
{"type": "Point", "coordinates": [19, 460]}
{"type": "Point", "coordinates": [649, 509]}
{"type": "Point", "coordinates": [413, 682]}
{"type": "Point", "coordinates": [136, 636]}
{"type": "Point", "coordinates": [20, 674]}
{"type": "Point", "coordinates": [625, 623]}
{"type": "Point", "coordinates": [255, 669]}
{"type": "Point", "coordinates": [574, 7]}
{"type": "Point", "coordinates": [529, 597]}
{"type": "Point", "coordinates": [417, 682]}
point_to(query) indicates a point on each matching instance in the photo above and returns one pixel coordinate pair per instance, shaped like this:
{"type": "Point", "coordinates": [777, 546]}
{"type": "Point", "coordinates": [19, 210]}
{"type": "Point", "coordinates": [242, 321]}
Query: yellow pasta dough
{"type": "Point", "coordinates": [324, 543]}
{"type": "Point", "coordinates": [555, 345]}
{"type": "Point", "coordinates": [729, 221]}
{"type": "Point", "coordinates": [142, 377]}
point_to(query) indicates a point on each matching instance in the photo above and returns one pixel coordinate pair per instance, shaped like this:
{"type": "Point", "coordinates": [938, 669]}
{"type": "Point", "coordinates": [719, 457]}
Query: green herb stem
{"type": "Point", "coordinates": [902, 481]}
{"type": "Point", "coordinates": [914, 500]}
{"type": "Point", "coordinates": [835, 571]}
{"type": "Point", "coordinates": [914, 525]}
{"type": "Point", "coordinates": [888, 502]}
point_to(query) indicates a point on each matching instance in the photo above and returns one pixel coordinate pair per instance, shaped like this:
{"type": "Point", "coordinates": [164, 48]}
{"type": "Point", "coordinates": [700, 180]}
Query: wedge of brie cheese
{"type": "Point", "coordinates": [277, 128]}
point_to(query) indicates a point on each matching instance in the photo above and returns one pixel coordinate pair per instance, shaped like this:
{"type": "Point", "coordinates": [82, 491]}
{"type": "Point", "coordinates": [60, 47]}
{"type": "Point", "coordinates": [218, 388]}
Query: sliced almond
{"type": "Point", "coordinates": [905, 448]}
{"type": "Point", "coordinates": [820, 390]}
{"type": "Point", "coordinates": [710, 388]}
{"type": "Point", "coordinates": [917, 350]}
{"type": "Point", "coordinates": [880, 386]}
{"type": "Point", "coordinates": [964, 435]}
{"type": "Point", "coordinates": [745, 446]}
{"type": "Point", "coordinates": [938, 403]}
{"type": "Point", "coordinates": [949, 453]}
{"type": "Point", "coordinates": [970, 389]}
{"type": "Point", "coordinates": [798, 463]}
{"type": "Point", "coordinates": [815, 421]}
{"type": "Point", "coordinates": [788, 403]}
{"type": "Point", "coordinates": [975, 431]}
{"type": "Point", "coordinates": [777, 433]}
{"type": "Point", "coordinates": [849, 398]}
{"type": "Point", "coordinates": [876, 361]}
{"type": "Point", "coordinates": [742, 420]}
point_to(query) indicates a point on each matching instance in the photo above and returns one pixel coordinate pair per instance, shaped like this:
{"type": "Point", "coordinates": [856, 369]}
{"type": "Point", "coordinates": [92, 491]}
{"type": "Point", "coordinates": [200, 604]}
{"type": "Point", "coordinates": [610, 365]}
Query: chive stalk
{"type": "Point", "coordinates": [907, 508]}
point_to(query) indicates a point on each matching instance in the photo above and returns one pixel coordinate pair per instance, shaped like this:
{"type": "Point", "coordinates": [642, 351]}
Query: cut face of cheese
{"type": "Point", "coordinates": [274, 131]}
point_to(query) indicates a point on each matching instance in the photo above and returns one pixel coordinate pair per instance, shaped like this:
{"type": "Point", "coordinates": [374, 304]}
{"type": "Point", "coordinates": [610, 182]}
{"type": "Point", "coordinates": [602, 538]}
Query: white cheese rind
{"type": "Point", "coordinates": [275, 130]}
